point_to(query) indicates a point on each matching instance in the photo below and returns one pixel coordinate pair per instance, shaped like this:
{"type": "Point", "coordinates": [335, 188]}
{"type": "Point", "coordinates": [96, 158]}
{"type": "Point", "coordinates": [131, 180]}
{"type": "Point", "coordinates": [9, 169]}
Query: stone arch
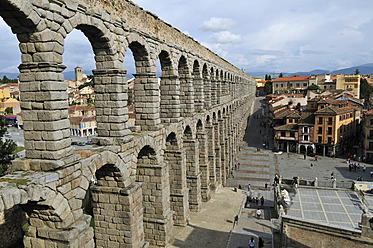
{"type": "Point", "coordinates": [154, 180]}
{"type": "Point", "coordinates": [187, 89]}
{"type": "Point", "coordinates": [146, 88]}
{"type": "Point", "coordinates": [201, 137]}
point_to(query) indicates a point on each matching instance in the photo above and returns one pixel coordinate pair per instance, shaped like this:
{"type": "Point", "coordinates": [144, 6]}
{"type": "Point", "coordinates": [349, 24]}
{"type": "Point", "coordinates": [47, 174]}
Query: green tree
{"type": "Point", "coordinates": [9, 110]}
{"type": "Point", "coordinates": [269, 77]}
{"type": "Point", "coordinates": [357, 71]}
{"type": "Point", "coordinates": [365, 89]}
{"type": "Point", "coordinates": [268, 87]}
{"type": "Point", "coordinates": [7, 148]}
{"type": "Point", "coordinates": [288, 85]}
{"type": "Point", "coordinates": [313, 87]}
{"type": "Point", "coordinates": [266, 77]}
{"type": "Point", "coordinates": [280, 76]}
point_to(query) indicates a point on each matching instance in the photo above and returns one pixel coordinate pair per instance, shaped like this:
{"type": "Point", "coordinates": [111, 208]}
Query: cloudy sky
{"type": "Point", "coordinates": [265, 35]}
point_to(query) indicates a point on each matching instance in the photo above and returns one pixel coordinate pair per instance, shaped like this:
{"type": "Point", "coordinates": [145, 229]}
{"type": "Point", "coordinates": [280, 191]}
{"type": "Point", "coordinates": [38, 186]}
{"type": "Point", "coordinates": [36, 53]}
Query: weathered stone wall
{"type": "Point", "coordinates": [150, 176]}
{"type": "Point", "coordinates": [303, 234]}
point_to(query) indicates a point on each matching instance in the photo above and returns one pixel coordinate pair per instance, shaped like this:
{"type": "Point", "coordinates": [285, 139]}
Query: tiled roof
{"type": "Point", "coordinates": [287, 127]}
{"type": "Point", "coordinates": [81, 108]}
{"type": "Point", "coordinates": [333, 110]}
{"type": "Point", "coordinates": [307, 117]}
{"type": "Point", "coordinates": [82, 119]}
{"type": "Point", "coordinates": [370, 112]}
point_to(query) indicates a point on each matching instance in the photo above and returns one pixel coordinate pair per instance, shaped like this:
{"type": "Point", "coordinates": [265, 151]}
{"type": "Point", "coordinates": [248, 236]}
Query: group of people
{"type": "Point", "coordinates": [252, 243]}
{"type": "Point", "coordinates": [255, 200]}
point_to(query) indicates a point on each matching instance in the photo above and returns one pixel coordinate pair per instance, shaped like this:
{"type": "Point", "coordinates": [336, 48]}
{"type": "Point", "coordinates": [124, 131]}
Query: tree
{"type": "Point", "coordinates": [9, 110]}
{"type": "Point", "coordinates": [357, 72]}
{"type": "Point", "coordinates": [313, 87]}
{"type": "Point", "coordinates": [365, 89]}
{"type": "Point", "coordinates": [266, 77]}
{"type": "Point", "coordinates": [268, 87]}
{"type": "Point", "coordinates": [280, 76]}
{"type": "Point", "coordinates": [7, 148]}
{"type": "Point", "coordinates": [269, 77]}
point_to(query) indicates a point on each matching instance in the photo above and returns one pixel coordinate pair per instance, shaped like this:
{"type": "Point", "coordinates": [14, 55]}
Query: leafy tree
{"type": "Point", "coordinates": [365, 89]}
{"type": "Point", "coordinates": [86, 84]}
{"type": "Point", "coordinates": [269, 77]}
{"type": "Point", "coordinates": [357, 71]}
{"type": "Point", "coordinates": [9, 110]}
{"type": "Point", "coordinates": [7, 148]}
{"type": "Point", "coordinates": [266, 77]}
{"type": "Point", "coordinates": [288, 85]}
{"type": "Point", "coordinates": [280, 76]}
{"type": "Point", "coordinates": [268, 87]}
{"type": "Point", "coordinates": [6, 80]}
{"type": "Point", "coordinates": [313, 87]}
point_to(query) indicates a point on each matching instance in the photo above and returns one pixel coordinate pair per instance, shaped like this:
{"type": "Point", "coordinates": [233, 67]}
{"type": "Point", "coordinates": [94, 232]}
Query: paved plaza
{"type": "Point", "coordinates": [332, 207]}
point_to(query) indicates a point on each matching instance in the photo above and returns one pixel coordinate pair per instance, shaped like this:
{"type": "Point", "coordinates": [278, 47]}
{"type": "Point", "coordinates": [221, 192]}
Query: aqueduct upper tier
{"type": "Point", "coordinates": [188, 126]}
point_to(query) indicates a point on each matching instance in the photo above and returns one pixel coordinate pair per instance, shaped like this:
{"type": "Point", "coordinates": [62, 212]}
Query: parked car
{"type": "Point", "coordinates": [81, 144]}
{"type": "Point", "coordinates": [74, 143]}
{"type": "Point", "coordinates": [89, 142]}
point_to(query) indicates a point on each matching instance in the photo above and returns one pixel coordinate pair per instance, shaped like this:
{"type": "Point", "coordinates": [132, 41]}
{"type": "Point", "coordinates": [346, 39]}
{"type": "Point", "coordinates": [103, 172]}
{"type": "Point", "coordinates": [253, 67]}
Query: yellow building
{"type": "Point", "coordinates": [9, 102]}
{"type": "Point", "coordinates": [4, 93]}
{"type": "Point", "coordinates": [333, 128]}
{"type": "Point", "coordinates": [349, 82]}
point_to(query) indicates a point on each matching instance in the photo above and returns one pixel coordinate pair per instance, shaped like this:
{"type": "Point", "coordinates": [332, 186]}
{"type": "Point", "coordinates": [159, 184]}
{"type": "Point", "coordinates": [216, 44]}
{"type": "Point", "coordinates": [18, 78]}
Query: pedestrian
{"type": "Point", "coordinates": [355, 157]}
{"type": "Point", "coordinates": [262, 201]}
{"type": "Point", "coordinates": [311, 166]}
{"type": "Point", "coordinates": [305, 156]}
{"type": "Point", "coordinates": [355, 167]}
{"type": "Point", "coordinates": [358, 166]}
{"type": "Point", "coordinates": [239, 148]}
{"type": "Point", "coordinates": [257, 200]}
{"type": "Point", "coordinates": [235, 221]}
{"type": "Point", "coordinates": [349, 167]}
{"type": "Point", "coordinates": [258, 213]}
{"type": "Point", "coordinates": [252, 242]}
{"type": "Point", "coordinates": [249, 187]}
{"type": "Point", "coordinates": [238, 166]}
{"type": "Point", "coordinates": [254, 200]}
{"type": "Point", "coordinates": [332, 176]}
{"type": "Point", "coordinates": [371, 173]}
{"type": "Point", "coordinates": [261, 243]}
{"type": "Point", "coordinates": [266, 186]}
{"type": "Point", "coordinates": [235, 166]}
{"type": "Point", "coordinates": [232, 174]}
{"type": "Point", "coordinates": [349, 160]}
{"type": "Point", "coordinates": [364, 168]}
{"type": "Point", "coordinates": [239, 186]}
{"type": "Point", "coordinates": [277, 180]}
{"type": "Point", "coordinates": [316, 158]}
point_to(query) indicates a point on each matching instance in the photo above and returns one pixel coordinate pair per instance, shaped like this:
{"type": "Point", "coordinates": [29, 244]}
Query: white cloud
{"type": "Point", "coordinates": [216, 24]}
{"type": "Point", "coordinates": [226, 37]}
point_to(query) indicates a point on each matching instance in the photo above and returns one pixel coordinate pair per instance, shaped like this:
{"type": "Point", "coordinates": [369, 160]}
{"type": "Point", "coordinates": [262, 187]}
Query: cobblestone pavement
{"type": "Point", "coordinates": [211, 226]}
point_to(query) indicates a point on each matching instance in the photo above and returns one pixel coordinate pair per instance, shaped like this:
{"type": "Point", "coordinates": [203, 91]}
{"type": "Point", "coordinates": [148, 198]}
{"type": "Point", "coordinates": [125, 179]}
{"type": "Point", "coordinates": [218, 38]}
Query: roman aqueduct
{"type": "Point", "coordinates": [149, 177]}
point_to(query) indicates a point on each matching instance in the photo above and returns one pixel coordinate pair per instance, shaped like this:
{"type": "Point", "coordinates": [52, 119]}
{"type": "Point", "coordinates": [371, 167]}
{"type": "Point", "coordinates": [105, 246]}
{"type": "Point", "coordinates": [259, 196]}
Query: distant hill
{"type": "Point", "coordinates": [364, 69]}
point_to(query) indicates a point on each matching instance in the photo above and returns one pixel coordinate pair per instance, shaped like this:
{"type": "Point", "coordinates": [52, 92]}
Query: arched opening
{"type": "Point", "coordinates": [154, 179]}
{"type": "Point", "coordinates": [206, 87]}
{"type": "Point", "coordinates": [211, 150]}
{"type": "Point", "coordinates": [143, 89]}
{"type": "Point", "coordinates": [79, 60]}
{"type": "Point", "coordinates": [186, 88]}
{"type": "Point", "coordinates": [217, 122]}
{"type": "Point", "coordinates": [198, 86]}
{"type": "Point", "coordinates": [175, 157]}
{"type": "Point", "coordinates": [169, 89]}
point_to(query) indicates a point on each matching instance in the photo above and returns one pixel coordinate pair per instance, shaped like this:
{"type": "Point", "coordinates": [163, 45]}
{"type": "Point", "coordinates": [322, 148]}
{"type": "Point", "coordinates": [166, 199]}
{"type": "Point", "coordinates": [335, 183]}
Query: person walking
{"type": "Point", "coordinates": [262, 201]}
{"type": "Point", "coordinates": [238, 166]}
{"type": "Point", "coordinates": [258, 213]}
{"type": "Point", "coordinates": [257, 200]}
{"type": "Point", "coordinates": [311, 166]}
{"type": "Point", "coordinates": [261, 243]}
{"type": "Point", "coordinates": [371, 173]}
{"type": "Point", "coordinates": [304, 156]}
{"type": "Point", "coordinates": [249, 187]}
{"type": "Point", "coordinates": [316, 158]}
{"type": "Point", "coordinates": [232, 174]}
{"type": "Point", "coordinates": [252, 242]}
{"type": "Point", "coordinates": [266, 186]}
{"type": "Point", "coordinates": [364, 168]}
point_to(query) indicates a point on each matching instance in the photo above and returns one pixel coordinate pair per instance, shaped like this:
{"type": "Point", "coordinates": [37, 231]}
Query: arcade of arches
{"type": "Point", "coordinates": [148, 177]}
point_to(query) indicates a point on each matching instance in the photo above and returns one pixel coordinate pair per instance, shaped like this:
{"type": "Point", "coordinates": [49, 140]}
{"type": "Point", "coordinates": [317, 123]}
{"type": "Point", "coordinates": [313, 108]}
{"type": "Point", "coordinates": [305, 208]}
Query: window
{"type": "Point", "coordinates": [320, 130]}
{"type": "Point", "coordinates": [320, 120]}
{"type": "Point", "coordinates": [290, 120]}
{"type": "Point", "coordinates": [283, 134]}
{"type": "Point", "coordinates": [371, 121]}
{"type": "Point", "coordinates": [291, 85]}
{"type": "Point", "coordinates": [306, 137]}
{"type": "Point", "coordinates": [319, 139]}
{"type": "Point", "coordinates": [305, 85]}
{"type": "Point", "coordinates": [305, 129]}
{"type": "Point", "coordinates": [298, 84]}
{"type": "Point", "coordinates": [340, 117]}
{"type": "Point", "coordinates": [282, 85]}
{"type": "Point", "coordinates": [329, 140]}
{"type": "Point", "coordinates": [355, 85]}
{"type": "Point", "coordinates": [330, 130]}
{"type": "Point", "coordinates": [370, 133]}
{"type": "Point", "coordinates": [276, 85]}
{"type": "Point", "coordinates": [330, 121]}
{"type": "Point", "coordinates": [292, 134]}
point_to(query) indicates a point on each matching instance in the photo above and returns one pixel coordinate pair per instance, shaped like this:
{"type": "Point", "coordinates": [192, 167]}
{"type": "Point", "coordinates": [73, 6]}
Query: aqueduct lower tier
{"type": "Point", "coordinates": [150, 176]}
